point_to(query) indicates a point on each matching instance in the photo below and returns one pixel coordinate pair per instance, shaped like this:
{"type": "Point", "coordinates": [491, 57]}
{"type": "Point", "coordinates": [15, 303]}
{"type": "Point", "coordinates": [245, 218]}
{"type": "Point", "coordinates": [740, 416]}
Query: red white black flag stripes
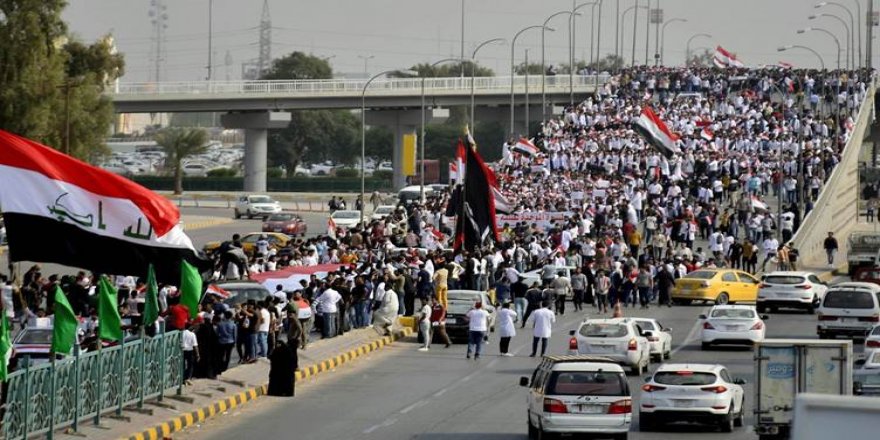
{"type": "Point", "coordinates": [61, 210]}
{"type": "Point", "coordinates": [724, 59]}
{"type": "Point", "coordinates": [475, 210]}
{"type": "Point", "coordinates": [526, 147]}
{"type": "Point", "coordinates": [652, 128]}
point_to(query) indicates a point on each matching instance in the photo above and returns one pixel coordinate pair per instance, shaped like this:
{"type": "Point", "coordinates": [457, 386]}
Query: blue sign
{"type": "Point", "coordinates": [779, 370]}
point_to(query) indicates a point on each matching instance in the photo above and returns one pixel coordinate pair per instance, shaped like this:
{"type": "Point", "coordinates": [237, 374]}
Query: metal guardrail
{"type": "Point", "coordinates": [52, 396]}
{"type": "Point", "coordinates": [348, 87]}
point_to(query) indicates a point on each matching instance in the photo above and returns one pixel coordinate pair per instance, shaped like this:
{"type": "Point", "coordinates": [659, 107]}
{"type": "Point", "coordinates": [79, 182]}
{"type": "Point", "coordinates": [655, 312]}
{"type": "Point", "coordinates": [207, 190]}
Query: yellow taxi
{"type": "Point", "coordinates": [722, 286]}
{"type": "Point", "coordinates": [276, 240]}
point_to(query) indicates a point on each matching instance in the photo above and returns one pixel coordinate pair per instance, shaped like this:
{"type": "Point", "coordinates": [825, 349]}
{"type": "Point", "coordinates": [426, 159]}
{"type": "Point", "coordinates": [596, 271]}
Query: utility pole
{"type": "Point", "coordinates": [264, 61]}
{"type": "Point", "coordinates": [461, 55]}
{"type": "Point", "coordinates": [869, 35]}
{"type": "Point", "coordinates": [159, 19]}
{"type": "Point", "coordinates": [210, 37]}
{"type": "Point", "coordinates": [657, 17]}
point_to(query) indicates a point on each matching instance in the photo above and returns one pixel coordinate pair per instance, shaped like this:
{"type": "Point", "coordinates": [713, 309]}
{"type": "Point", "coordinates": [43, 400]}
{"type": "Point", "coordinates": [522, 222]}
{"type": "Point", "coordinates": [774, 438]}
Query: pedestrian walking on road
{"type": "Point", "coordinates": [425, 324]}
{"type": "Point", "coordinates": [830, 246]}
{"type": "Point", "coordinates": [438, 321]}
{"type": "Point", "coordinates": [506, 327]}
{"type": "Point", "coordinates": [533, 301]}
{"type": "Point", "coordinates": [543, 320]}
{"type": "Point", "coordinates": [478, 325]}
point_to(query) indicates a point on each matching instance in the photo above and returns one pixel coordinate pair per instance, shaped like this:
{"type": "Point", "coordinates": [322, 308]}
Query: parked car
{"type": "Point", "coordinates": [287, 223]}
{"type": "Point", "coordinates": [692, 393]}
{"type": "Point", "coordinates": [190, 170]}
{"type": "Point", "coordinates": [460, 303]}
{"type": "Point", "coordinates": [851, 308]}
{"type": "Point", "coordinates": [799, 290]}
{"type": "Point", "coordinates": [35, 343]}
{"type": "Point", "coordinates": [720, 286]}
{"type": "Point", "coordinates": [256, 206]}
{"type": "Point", "coordinates": [412, 194]}
{"type": "Point", "coordinates": [276, 240]}
{"type": "Point", "coordinates": [346, 219]}
{"type": "Point", "coordinates": [578, 395]}
{"type": "Point", "coordinates": [242, 292]}
{"type": "Point", "coordinates": [618, 339]}
{"type": "Point", "coordinates": [660, 340]}
{"type": "Point", "coordinates": [867, 275]}
{"type": "Point", "coordinates": [730, 324]}
{"type": "Point", "coordinates": [381, 212]}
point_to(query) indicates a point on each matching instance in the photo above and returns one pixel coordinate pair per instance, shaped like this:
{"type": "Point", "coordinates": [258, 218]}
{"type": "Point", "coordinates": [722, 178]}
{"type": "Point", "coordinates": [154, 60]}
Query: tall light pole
{"type": "Point", "coordinates": [797, 46]}
{"type": "Point", "coordinates": [572, 28]}
{"type": "Point", "coordinates": [543, 61]}
{"type": "Point", "coordinates": [853, 24]}
{"type": "Point", "coordinates": [210, 38]}
{"type": "Point", "coordinates": [830, 34]}
{"type": "Point", "coordinates": [513, 68]}
{"type": "Point", "coordinates": [663, 35]}
{"type": "Point", "coordinates": [635, 27]}
{"type": "Point", "coordinates": [422, 134]}
{"type": "Point", "coordinates": [473, 75]}
{"type": "Point", "coordinates": [848, 34]}
{"type": "Point", "coordinates": [364, 128]}
{"type": "Point", "coordinates": [366, 59]}
{"type": "Point", "coordinates": [461, 55]}
{"type": "Point", "coordinates": [623, 28]}
{"type": "Point", "coordinates": [687, 50]}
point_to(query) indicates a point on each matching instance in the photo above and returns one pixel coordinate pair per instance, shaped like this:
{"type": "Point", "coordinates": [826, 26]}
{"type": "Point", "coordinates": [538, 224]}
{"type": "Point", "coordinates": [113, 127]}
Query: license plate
{"type": "Point", "coordinates": [732, 327]}
{"type": "Point", "coordinates": [601, 348]}
{"type": "Point", "coordinates": [277, 229]}
{"type": "Point", "coordinates": [783, 294]}
{"type": "Point", "coordinates": [588, 409]}
{"type": "Point", "coordinates": [682, 403]}
{"type": "Point", "coordinates": [451, 321]}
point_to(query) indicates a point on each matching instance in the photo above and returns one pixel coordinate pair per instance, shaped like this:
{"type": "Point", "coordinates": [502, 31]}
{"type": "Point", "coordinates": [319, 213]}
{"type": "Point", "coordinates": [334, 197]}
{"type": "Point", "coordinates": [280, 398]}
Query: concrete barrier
{"type": "Point", "coordinates": [836, 210]}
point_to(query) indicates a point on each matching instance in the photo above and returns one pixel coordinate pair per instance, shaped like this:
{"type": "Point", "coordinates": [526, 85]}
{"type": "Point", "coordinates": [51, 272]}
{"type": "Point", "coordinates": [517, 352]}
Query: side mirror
{"type": "Point", "coordinates": [765, 317]}
{"type": "Point", "coordinates": [647, 378]}
{"type": "Point", "coordinates": [523, 381]}
{"type": "Point", "coordinates": [857, 388]}
{"type": "Point", "coordinates": [571, 332]}
{"type": "Point", "coordinates": [702, 317]}
{"type": "Point", "coordinates": [648, 334]}
{"type": "Point", "coordinates": [667, 330]}
{"type": "Point", "coordinates": [739, 381]}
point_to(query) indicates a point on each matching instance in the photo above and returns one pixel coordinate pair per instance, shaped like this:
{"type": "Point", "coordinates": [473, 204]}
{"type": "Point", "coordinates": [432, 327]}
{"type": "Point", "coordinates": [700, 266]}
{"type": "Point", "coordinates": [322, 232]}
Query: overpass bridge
{"type": "Point", "coordinates": [257, 106]}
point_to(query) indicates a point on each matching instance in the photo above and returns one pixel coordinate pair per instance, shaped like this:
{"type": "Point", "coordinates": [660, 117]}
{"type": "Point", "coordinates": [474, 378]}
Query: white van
{"type": "Point", "coordinates": [413, 193]}
{"type": "Point", "coordinates": [849, 309]}
{"type": "Point", "coordinates": [578, 394]}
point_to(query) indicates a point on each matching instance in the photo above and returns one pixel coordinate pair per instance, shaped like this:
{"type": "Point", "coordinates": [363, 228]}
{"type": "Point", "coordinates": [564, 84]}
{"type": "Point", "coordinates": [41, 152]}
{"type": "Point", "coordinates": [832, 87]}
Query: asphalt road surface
{"type": "Point", "coordinates": [401, 393]}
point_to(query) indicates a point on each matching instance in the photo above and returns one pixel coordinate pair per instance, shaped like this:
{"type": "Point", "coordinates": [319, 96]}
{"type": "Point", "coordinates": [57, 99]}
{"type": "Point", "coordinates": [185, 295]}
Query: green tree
{"type": "Point", "coordinates": [701, 59]}
{"type": "Point", "coordinates": [180, 143]}
{"type": "Point", "coordinates": [533, 68]}
{"type": "Point", "coordinates": [379, 143]}
{"type": "Point", "coordinates": [299, 65]}
{"type": "Point", "coordinates": [449, 70]}
{"type": "Point", "coordinates": [41, 66]}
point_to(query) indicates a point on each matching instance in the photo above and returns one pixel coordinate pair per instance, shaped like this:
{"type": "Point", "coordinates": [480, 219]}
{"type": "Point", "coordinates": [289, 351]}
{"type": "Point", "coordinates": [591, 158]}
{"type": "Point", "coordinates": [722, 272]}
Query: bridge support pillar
{"type": "Point", "coordinates": [401, 123]}
{"type": "Point", "coordinates": [256, 127]}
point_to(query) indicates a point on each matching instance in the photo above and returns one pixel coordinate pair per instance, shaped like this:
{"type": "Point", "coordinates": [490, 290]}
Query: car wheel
{"type": "Point", "coordinates": [237, 214]}
{"type": "Point", "coordinates": [723, 298]}
{"type": "Point", "coordinates": [811, 309]}
{"type": "Point", "coordinates": [622, 436]}
{"type": "Point", "coordinates": [638, 369]}
{"type": "Point", "coordinates": [646, 422]}
{"type": "Point", "coordinates": [668, 353]}
{"type": "Point", "coordinates": [738, 421]}
{"type": "Point", "coordinates": [705, 346]}
{"type": "Point", "coordinates": [249, 215]}
{"type": "Point", "coordinates": [533, 432]}
{"type": "Point", "coordinates": [726, 424]}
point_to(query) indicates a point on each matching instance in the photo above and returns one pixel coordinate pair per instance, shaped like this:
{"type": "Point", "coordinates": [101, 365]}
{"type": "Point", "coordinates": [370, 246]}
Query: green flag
{"type": "Point", "coordinates": [64, 328]}
{"type": "Point", "coordinates": [109, 322]}
{"type": "Point", "coordinates": [190, 288]}
{"type": "Point", "coordinates": [5, 346]}
{"type": "Point", "coordinates": [151, 306]}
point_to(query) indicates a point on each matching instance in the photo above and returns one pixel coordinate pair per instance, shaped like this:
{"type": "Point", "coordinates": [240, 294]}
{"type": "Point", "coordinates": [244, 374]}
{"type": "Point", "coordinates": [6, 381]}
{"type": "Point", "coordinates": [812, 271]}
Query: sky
{"type": "Point", "coordinates": [401, 33]}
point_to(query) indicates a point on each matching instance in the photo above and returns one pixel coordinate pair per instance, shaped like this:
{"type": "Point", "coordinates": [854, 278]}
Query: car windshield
{"type": "Point", "coordinates": [281, 217]}
{"type": "Point", "coordinates": [646, 325]}
{"type": "Point", "coordinates": [586, 383]}
{"type": "Point", "coordinates": [463, 296]}
{"type": "Point", "coordinates": [872, 379]}
{"type": "Point", "coordinates": [346, 214]}
{"type": "Point", "coordinates": [876, 331]}
{"type": "Point", "coordinates": [849, 299]}
{"type": "Point", "coordinates": [383, 210]}
{"type": "Point", "coordinates": [261, 199]}
{"type": "Point", "coordinates": [701, 275]}
{"type": "Point", "coordinates": [784, 279]}
{"type": "Point", "coordinates": [36, 337]}
{"type": "Point", "coordinates": [733, 313]}
{"type": "Point", "coordinates": [241, 295]}
{"type": "Point", "coordinates": [601, 330]}
{"type": "Point", "coordinates": [684, 378]}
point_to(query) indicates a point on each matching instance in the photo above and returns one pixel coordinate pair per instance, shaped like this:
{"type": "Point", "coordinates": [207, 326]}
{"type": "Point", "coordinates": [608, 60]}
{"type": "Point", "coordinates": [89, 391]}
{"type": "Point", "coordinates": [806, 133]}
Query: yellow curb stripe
{"type": "Point", "coordinates": [188, 418]}
{"type": "Point", "coordinates": [166, 430]}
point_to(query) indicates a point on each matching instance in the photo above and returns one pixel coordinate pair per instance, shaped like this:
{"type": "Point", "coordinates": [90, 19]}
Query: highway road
{"type": "Point", "coordinates": [401, 393]}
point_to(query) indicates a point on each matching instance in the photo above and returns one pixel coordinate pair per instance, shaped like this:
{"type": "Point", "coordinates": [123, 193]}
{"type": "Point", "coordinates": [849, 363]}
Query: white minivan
{"type": "Point", "coordinates": [618, 339]}
{"type": "Point", "coordinates": [851, 309]}
{"type": "Point", "coordinates": [578, 394]}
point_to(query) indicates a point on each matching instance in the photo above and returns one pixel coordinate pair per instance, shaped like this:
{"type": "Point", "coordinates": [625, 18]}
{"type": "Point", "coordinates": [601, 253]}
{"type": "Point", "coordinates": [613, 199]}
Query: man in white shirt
{"type": "Point", "coordinates": [263, 330]}
{"type": "Point", "coordinates": [770, 246]}
{"type": "Point", "coordinates": [190, 346]}
{"type": "Point", "coordinates": [425, 324]}
{"type": "Point", "coordinates": [326, 304]}
{"type": "Point", "coordinates": [543, 320]}
{"type": "Point", "coordinates": [478, 325]}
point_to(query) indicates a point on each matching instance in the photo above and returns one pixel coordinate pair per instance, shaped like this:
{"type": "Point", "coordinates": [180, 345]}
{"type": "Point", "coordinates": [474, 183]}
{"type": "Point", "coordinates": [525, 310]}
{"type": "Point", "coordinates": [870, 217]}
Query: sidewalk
{"type": "Point", "coordinates": [206, 398]}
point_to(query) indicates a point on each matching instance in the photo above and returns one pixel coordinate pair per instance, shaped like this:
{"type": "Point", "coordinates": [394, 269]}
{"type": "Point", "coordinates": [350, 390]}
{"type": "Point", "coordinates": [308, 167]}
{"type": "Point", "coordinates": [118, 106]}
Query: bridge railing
{"type": "Point", "coordinates": [348, 86]}
{"type": "Point", "coordinates": [43, 398]}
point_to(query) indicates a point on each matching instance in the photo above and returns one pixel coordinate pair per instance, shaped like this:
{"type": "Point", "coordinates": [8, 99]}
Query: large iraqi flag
{"type": "Point", "coordinates": [58, 209]}
{"type": "Point", "coordinates": [652, 128]}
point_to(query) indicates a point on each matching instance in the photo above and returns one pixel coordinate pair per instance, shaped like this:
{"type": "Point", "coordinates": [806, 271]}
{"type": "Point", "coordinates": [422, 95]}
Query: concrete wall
{"type": "Point", "coordinates": [836, 210]}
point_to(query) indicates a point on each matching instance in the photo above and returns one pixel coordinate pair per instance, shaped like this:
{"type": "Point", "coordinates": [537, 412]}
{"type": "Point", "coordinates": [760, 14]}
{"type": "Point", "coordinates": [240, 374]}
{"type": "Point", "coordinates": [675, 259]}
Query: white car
{"type": "Point", "coordinates": [872, 342]}
{"type": "Point", "coordinates": [256, 206]}
{"type": "Point", "coordinates": [345, 219]}
{"type": "Point", "coordinates": [578, 395]}
{"type": "Point", "coordinates": [322, 169]}
{"type": "Point", "coordinates": [618, 339]}
{"type": "Point", "coordinates": [691, 392]}
{"type": "Point", "coordinates": [800, 290]}
{"type": "Point", "coordinates": [381, 212]}
{"type": "Point", "coordinates": [660, 340]}
{"type": "Point", "coordinates": [193, 170]}
{"type": "Point", "coordinates": [536, 275]}
{"type": "Point", "coordinates": [732, 324]}
{"type": "Point", "coordinates": [851, 308]}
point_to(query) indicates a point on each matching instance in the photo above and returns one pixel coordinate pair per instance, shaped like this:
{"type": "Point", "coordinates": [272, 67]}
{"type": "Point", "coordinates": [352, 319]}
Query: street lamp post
{"type": "Point", "coordinates": [473, 72]}
{"type": "Point", "coordinates": [663, 35]}
{"type": "Point", "coordinates": [571, 30]}
{"type": "Point", "coordinates": [366, 59]}
{"type": "Point", "coordinates": [513, 69]}
{"type": "Point", "coordinates": [830, 34]}
{"type": "Point", "coordinates": [623, 28]}
{"type": "Point", "coordinates": [543, 61]}
{"type": "Point", "coordinates": [422, 134]}
{"type": "Point", "coordinates": [797, 46]}
{"type": "Point", "coordinates": [687, 50]}
{"type": "Point", "coordinates": [364, 128]}
{"type": "Point", "coordinates": [852, 22]}
{"type": "Point", "coordinates": [210, 38]}
{"type": "Point", "coordinates": [848, 34]}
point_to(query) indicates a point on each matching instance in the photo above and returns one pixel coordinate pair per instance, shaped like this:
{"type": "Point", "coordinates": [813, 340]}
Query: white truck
{"type": "Point", "coordinates": [861, 250]}
{"type": "Point", "coordinates": [785, 368]}
{"type": "Point", "coordinates": [822, 417]}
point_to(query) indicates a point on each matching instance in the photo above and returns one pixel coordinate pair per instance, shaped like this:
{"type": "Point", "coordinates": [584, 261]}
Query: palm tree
{"type": "Point", "coordinates": [180, 143]}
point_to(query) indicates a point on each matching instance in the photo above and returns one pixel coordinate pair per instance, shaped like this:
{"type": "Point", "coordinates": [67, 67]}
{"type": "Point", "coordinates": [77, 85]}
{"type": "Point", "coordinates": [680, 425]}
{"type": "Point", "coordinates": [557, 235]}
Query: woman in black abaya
{"type": "Point", "coordinates": [282, 364]}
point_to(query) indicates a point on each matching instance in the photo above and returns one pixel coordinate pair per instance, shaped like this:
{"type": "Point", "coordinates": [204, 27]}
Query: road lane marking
{"type": "Point", "coordinates": [692, 334]}
{"type": "Point", "coordinates": [422, 402]}
{"type": "Point", "coordinates": [441, 392]}
{"type": "Point", "coordinates": [388, 422]}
